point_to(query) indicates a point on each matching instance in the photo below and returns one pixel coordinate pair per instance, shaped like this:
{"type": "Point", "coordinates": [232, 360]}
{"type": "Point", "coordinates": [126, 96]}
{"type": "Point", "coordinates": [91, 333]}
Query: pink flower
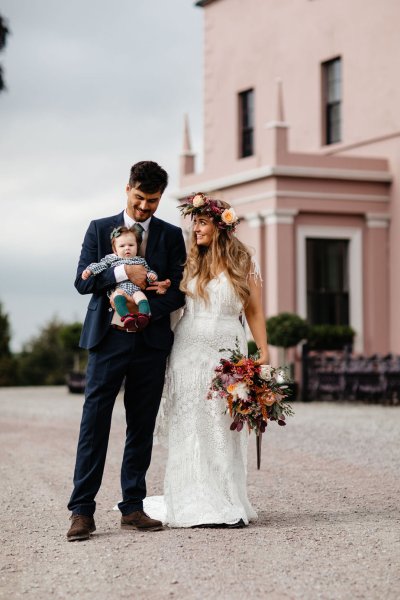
{"type": "Point", "coordinates": [227, 379]}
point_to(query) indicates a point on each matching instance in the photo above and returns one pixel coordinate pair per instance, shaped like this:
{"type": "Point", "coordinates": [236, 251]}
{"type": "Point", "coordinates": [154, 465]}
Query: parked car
{"type": "Point", "coordinates": [76, 382]}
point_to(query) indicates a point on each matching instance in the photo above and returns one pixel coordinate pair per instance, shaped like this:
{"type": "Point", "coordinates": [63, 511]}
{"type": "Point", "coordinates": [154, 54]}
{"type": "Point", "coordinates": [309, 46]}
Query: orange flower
{"type": "Point", "coordinates": [229, 216]}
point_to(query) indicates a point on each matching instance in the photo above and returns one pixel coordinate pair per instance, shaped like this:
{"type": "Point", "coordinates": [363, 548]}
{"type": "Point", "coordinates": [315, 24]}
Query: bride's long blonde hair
{"type": "Point", "coordinates": [226, 253]}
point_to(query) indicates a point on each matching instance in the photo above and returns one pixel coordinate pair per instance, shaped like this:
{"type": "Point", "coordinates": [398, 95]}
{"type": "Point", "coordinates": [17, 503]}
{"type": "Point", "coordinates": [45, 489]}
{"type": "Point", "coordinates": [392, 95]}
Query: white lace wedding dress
{"type": "Point", "coordinates": [205, 479]}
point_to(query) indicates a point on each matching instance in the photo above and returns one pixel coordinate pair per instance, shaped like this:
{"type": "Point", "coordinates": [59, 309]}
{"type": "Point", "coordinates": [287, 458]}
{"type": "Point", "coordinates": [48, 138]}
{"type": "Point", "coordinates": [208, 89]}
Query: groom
{"type": "Point", "coordinates": [115, 353]}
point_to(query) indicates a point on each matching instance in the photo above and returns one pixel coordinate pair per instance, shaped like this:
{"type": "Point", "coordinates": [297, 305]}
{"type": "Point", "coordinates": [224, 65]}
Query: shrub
{"type": "Point", "coordinates": [286, 330]}
{"type": "Point", "coordinates": [251, 347]}
{"type": "Point", "coordinates": [330, 337]}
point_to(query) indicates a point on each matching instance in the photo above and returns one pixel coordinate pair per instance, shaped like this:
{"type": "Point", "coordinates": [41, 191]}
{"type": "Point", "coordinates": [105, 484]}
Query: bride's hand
{"type": "Point", "coordinates": [264, 357]}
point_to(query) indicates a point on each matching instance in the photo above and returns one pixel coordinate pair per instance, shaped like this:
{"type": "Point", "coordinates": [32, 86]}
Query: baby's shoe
{"type": "Point", "coordinates": [129, 322]}
{"type": "Point", "coordinates": [142, 320]}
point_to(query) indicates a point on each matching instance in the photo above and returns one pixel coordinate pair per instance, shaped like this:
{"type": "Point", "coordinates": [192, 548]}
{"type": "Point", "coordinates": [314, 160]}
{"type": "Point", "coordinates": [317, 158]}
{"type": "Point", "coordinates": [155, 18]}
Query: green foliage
{"type": "Point", "coordinates": [70, 335]}
{"type": "Point", "coordinates": [286, 330]}
{"type": "Point", "coordinates": [4, 334]}
{"type": "Point", "coordinates": [251, 348]}
{"type": "Point", "coordinates": [8, 371]}
{"type": "Point", "coordinates": [4, 31]}
{"type": "Point", "coordinates": [7, 363]}
{"type": "Point", "coordinates": [45, 359]}
{"type": "Point", "coordinates": [330, 337]}
{"type": "Point", "coordinates": [48, 357]}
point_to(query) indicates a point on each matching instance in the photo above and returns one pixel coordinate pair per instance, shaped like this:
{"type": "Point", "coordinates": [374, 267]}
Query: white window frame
{"type": "Point", "coordinates": [354, 237]}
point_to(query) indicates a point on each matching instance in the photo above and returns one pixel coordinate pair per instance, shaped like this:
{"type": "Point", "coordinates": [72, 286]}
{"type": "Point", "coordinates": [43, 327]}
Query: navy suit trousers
{"type": "Point", "coordinates": [120, 354]}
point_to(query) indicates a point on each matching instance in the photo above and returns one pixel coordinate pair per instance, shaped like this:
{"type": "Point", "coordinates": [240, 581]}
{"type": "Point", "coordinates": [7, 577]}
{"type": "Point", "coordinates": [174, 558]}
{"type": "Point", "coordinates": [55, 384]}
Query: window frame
{"type": "Point", "coordinates": [332, 101]}
{"type": "Point", "coordinates": [246, 113]}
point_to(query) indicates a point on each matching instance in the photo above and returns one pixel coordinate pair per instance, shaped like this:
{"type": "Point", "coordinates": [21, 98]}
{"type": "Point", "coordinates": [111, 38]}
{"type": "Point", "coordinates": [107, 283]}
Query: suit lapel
{"type": "Point", "coordinates": [113, 222]}
{"type": "Point", "coordinates": [119, 219]}
{"type": "Point", "coordinates": [152, 240]}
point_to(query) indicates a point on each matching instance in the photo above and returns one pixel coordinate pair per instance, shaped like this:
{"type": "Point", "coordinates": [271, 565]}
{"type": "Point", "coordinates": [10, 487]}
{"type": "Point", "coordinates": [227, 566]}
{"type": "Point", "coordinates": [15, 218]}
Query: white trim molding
{"type": "Point", "coordinates": [276, 125]}
{"type": "Point", "coordinates": [354, 236]}
{"type": "Point", "coordinates": [378, 220]}
{"type": "Point", "coordinates": [253, 219]}
{"type": "Point", "coordinates": [286, 171]}
{"type": "Point", "coordinates": [279, 216]}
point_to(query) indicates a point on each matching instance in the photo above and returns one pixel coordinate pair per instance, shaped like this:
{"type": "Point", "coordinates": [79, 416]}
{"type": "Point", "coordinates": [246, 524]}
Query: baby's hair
{"type": "Point", "coordinates": [116, 233]}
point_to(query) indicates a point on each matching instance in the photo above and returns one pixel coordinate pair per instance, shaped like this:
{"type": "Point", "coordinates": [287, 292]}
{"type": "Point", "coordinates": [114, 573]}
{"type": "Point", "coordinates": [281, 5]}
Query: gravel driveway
{"type": "Point", "coordinates": [327, 497]}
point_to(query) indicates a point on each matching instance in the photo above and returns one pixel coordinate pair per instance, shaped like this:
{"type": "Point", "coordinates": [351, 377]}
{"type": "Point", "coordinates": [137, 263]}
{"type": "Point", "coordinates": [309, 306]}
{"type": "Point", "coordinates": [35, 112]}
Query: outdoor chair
{"type": "Point", "coordinates": [370, 385]}
{"type": "Point", "coordinates": [329, 383]}
{"type": "Point", "coordinates": [392, 385]}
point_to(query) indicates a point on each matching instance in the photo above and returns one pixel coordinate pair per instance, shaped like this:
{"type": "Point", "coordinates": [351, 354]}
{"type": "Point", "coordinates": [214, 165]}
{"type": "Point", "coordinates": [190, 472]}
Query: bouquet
{"type": "Point", "coordinates": [254, 394]}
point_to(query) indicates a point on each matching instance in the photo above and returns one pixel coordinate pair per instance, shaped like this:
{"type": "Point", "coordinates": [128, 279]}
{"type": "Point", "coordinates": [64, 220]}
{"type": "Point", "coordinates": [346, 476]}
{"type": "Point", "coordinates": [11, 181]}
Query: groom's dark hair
{"type": "Point", "coordinates": [148, 177]}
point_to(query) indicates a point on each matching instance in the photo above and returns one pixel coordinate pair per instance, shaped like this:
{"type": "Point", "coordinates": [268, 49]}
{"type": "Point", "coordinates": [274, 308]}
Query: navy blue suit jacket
{"type": "Point", "coordinates": [165, 253]}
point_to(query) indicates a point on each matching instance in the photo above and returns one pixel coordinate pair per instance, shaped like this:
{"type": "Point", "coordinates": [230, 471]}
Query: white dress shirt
{"type": "Point", "coordinates": [119, 272]}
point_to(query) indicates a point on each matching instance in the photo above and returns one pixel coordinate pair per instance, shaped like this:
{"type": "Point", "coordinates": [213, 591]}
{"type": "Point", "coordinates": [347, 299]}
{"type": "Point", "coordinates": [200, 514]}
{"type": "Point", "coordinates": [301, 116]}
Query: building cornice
{"type": "Point", "coordinates": [267, 172]}
{"type": "Point", "coordinates": [377, 220]}
{"type": "Point", "coordinates": [253, 219]}
{"type": "Point", "coordinates": [279, 216]}
{"type": "Point", "coordinates": [275, 194]}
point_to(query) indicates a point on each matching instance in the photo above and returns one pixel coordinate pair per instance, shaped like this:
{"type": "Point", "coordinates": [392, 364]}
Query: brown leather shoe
{"type": "Point", "coordinates": [81, 528]}
{"type": "Point", "coordinates": [139, 520]}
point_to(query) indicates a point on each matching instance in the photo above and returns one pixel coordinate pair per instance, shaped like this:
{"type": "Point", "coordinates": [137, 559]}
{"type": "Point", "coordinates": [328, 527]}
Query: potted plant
{"type": "Point", "coordinates": [286, 330]}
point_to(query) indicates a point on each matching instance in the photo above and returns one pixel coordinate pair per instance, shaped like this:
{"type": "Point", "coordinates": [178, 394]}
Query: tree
{"type": "Point", "coordinates": [48, 357]}
{"type": "Point", "coordinates": [70, 335]}
{"type": "Point", "coordinates": [7, 363]}
{"type": "Point", "coordinates": [4, 31]}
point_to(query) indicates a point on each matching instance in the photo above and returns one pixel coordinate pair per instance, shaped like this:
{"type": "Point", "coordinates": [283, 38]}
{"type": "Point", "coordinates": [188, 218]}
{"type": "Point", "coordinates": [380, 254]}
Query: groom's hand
{"type": "Point", "coordinates": [137, 275]}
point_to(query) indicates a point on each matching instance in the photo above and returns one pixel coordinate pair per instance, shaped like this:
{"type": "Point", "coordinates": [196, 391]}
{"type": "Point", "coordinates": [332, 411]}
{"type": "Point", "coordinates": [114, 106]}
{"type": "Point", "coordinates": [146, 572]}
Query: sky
{"type": "Point", "coordinates": [92, 88]}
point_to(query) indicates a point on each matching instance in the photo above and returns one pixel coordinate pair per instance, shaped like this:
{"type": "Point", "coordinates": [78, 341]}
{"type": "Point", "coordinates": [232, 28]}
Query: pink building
{"type": "Point", "coordinates": [302, 137]}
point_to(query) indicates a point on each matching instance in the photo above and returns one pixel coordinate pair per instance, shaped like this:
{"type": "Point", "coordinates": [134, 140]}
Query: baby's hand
{"type": "Point", "coordinates": [86, 274]}
{"type": "Point", "coordinates": [152, 276]}
{"type": "Point", "coordinates": [160, 287]}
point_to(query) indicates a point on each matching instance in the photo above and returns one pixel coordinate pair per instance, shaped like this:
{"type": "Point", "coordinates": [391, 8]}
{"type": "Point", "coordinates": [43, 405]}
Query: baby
{"type": "Point", "coordinates": [125, 243]}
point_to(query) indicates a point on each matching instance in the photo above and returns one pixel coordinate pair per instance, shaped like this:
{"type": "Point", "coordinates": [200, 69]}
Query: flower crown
{"type": "Point", "coordinates": [225, 218]}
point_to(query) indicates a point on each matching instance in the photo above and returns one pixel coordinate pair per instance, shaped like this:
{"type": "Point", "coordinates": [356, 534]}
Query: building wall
{"type": "Point", "coordinates": [251, 44]}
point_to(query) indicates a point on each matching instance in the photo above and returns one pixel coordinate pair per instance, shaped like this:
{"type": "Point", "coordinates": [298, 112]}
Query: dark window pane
{"type": "Point", "coordinates": [246, 123]}
{"type": "Point", "coordinates": [332, 78]}
{"type": "Point", "coordinates": [327, 282]}
{"type": "Point", "coordinates": [333, 122]}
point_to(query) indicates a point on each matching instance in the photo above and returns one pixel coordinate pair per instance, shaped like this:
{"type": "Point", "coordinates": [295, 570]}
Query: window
{"type": "Point", "coordinates": [332, 100]}
{"type": "Point", "coordinates": [246, 123]}
{"type": "Point", "coordinates": [327, 281]}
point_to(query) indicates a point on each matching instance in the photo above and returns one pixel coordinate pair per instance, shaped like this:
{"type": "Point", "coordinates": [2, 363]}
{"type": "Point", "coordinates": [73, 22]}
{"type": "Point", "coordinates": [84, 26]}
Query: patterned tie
{"type": "Point", "coordinates": [139, 229]}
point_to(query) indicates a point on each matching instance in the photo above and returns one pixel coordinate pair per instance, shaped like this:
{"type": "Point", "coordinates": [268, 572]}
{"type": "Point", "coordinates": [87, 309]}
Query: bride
{"type": "Point", "coordinates": [205, 479]}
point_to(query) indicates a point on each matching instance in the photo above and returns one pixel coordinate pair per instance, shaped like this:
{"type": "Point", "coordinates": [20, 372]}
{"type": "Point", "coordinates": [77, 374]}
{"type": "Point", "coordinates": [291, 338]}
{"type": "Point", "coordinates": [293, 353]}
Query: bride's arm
{"type": "Point", "coordinates": [256, 319]}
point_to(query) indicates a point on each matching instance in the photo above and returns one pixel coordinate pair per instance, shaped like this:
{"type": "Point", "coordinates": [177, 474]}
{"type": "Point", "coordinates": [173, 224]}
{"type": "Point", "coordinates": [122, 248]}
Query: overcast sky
{"type": "Point", "coordinates": [93, 87]}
